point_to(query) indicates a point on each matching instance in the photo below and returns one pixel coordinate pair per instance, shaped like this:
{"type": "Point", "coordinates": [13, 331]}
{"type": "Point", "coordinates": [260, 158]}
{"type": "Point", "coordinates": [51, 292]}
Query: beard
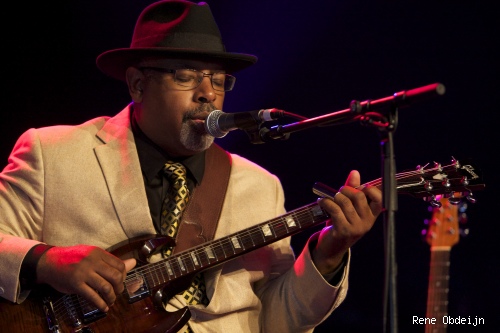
{"type": "Point", "coordinates": [194, 137]}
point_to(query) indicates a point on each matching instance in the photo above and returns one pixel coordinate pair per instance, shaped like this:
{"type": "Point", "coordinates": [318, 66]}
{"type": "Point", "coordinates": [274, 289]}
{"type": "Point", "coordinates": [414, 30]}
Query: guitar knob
{"type": "Point", "coordinates": [462, 218]}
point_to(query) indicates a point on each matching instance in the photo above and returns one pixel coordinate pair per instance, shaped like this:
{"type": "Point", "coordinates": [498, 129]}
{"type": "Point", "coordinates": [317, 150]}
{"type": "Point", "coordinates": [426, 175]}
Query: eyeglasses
{"type": "Point", "coordinates": [188, 79]}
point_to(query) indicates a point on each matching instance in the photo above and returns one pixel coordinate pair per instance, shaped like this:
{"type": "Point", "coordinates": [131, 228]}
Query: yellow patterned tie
{"type": "Point", "coordinates": [173, 207]}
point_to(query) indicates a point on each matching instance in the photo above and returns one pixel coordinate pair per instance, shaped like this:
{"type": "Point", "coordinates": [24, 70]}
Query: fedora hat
{"type": "Point", "coordinates": [173, 29]}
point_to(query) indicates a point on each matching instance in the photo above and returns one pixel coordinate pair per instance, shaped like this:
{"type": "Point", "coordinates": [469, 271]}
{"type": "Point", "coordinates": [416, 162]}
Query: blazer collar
{"type": "Point", "coordinates": [120, 165]}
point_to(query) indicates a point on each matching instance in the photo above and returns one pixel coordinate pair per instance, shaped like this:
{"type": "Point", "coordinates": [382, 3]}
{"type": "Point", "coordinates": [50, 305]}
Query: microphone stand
{"type": "Point", "coordinates": [383, 114]}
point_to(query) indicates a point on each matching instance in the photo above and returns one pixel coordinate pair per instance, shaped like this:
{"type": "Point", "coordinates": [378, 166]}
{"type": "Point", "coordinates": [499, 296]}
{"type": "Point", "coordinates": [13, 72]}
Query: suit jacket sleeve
{"type": "Point", "coordinates": [21, 202]}
{"type": "Point", "coordinates": [267, 289]}
{"type": "Point", "coordinates": [297, 298]}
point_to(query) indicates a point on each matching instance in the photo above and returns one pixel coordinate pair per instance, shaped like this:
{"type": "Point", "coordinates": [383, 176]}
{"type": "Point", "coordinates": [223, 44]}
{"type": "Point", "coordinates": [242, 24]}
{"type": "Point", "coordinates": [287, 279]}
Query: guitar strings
{"type": "Point", "coordinates": [176, 263]}
{"type": "Point", "coordinates": [65, 307]}
{"type": "Point", "coordinates": [179, 263]}
{"type": "Point", "coordinates": [68, 306]}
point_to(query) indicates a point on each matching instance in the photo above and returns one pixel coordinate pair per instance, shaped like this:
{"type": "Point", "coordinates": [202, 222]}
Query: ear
{"type": "Point", "coordinates": [135, 82]}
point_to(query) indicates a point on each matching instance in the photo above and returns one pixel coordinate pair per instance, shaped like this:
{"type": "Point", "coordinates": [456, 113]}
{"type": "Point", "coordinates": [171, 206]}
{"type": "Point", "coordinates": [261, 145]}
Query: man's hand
{"type": "Point", "coordinates": [352, 214]}
{"type": "Point", "coordinates": [88, 271]}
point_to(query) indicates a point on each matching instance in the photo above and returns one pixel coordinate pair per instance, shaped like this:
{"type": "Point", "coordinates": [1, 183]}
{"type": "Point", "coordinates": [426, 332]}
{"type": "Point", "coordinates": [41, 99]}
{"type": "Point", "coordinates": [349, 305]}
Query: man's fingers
{"type": "Point", "coordinates": [375, 199]}
{"type": "Point", "coordinates": [94, 297]}
{"type": "Point", "coordinates": [129, 264]}
{"type": "Point", "coordinates": [354, 179]}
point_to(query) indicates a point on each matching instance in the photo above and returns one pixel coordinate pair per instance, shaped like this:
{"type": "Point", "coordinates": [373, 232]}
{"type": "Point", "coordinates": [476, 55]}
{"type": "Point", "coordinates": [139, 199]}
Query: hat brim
{"type": "Point", "coordinates": [115, 62]}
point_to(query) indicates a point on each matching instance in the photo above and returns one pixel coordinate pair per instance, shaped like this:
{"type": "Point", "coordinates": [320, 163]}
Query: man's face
{"type": "Point", "coordinates": [167, 113]}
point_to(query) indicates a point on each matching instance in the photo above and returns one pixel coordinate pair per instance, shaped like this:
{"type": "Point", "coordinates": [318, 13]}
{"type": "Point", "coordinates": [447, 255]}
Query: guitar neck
{"type": "Point", "coordinates": [144, 300]}
{"type": "Point", "coordinates": [223, 249]}
{"type": "Point", "coordinates": [423, 183]}
{"type": "Point", "coordinates": [437, 294]}
{"type": "Point", "coordinates": [443, 233]}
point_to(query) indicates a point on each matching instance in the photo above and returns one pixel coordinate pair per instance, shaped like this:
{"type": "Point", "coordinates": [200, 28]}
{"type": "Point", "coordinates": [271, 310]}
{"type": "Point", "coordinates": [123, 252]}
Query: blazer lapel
{"type": "Point", "coordinates": [120, 165]}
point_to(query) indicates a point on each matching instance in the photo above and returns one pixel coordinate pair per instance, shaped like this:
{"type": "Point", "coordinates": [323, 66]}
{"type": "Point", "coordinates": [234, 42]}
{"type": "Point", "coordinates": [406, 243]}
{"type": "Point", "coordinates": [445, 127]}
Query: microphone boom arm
{"type": "Point", "coordinates": [356, 111]}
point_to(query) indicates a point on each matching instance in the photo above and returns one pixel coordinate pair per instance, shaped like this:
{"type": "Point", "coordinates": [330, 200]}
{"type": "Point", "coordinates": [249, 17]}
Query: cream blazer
{"type": "Point", "coordinates": [67, 185]}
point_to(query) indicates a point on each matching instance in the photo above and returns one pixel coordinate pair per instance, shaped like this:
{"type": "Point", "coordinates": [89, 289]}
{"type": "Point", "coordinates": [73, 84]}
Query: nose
{"type": "Point", "coordinates": [205, 92]}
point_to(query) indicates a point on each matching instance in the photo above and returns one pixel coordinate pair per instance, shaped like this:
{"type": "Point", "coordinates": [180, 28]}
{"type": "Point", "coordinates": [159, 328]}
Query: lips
{"type": "Point", "coordinates": [198, 122]}
{"type": "Point", "coordinates": [200, 116]}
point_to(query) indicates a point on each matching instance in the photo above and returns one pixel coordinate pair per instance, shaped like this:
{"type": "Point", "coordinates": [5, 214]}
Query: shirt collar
{"type": "Point", "coordinates": [152, 158]}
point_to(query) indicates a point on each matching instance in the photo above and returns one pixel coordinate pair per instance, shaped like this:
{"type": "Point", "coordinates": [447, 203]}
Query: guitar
{"type": "Point", "coordinates": [442, 234]}
{"type": "Point", "coordinates": [139, 308]}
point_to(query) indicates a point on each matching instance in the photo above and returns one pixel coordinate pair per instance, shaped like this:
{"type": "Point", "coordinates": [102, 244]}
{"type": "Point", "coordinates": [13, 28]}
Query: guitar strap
{"type": "Point", "coordinates": [201, 217]}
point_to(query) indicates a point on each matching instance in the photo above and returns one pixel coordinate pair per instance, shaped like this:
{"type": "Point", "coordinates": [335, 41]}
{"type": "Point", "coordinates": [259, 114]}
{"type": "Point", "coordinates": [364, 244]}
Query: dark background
{"type": "Point", "coordinates": [314, 58]}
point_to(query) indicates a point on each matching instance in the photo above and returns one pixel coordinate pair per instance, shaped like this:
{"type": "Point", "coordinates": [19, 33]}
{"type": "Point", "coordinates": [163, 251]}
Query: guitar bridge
{"type": "Point", "coordinates": [50, 316]}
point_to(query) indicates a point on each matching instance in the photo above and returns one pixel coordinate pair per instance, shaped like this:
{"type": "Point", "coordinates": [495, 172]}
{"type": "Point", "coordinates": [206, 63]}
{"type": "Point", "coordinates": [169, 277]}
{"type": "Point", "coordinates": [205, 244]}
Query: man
{"type": "Point", "coordinates": [103, 182]}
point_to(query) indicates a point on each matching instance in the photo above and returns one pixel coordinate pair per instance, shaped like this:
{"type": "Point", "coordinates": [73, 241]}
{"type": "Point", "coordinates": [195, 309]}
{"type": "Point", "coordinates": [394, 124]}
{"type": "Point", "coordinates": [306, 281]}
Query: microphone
{"type": "Point", "coordinates": [219, 123]}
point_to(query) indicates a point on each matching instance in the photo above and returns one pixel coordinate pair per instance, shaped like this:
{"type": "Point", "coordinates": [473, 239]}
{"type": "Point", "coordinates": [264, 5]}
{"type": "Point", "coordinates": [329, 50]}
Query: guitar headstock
{"type": "Point", "coordinates": [455, 181]}
{"type": "Point", "coordinates": [443, 227]}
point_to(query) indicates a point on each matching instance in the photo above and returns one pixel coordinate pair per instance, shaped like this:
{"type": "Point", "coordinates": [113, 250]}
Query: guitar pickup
{"type": "Point", "coordinates": [136, 288]}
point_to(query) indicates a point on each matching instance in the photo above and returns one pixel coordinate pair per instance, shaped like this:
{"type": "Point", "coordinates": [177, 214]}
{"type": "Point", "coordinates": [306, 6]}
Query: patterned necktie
{"type": "Point", "coordinates": [173, 207]}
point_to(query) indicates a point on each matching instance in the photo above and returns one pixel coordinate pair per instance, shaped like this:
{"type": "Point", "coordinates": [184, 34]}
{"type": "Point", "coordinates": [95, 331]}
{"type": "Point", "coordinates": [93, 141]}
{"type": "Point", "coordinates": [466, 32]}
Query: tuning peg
{"type": "Point", "coordinates": [464, 232]}
{"type": "Point", "coordinates": [462, 218]}
{"type": "Point", "coordinates": [433, 201]}
{"type": "Point", "coordinates": [446, 183]}
{"type": "Point", "coordinates": [454, 200]}
{"type": "Point", "coordinates": [423, 235]}
{"type": "Point", "coordinates": [438, 166]}
{"type": "Point", "coordinates": [470, 198]}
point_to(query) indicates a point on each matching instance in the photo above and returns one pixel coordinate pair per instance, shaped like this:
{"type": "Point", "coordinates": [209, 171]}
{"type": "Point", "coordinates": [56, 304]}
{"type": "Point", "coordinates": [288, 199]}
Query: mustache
{"type": "Point", "coordinates": [203, 108]}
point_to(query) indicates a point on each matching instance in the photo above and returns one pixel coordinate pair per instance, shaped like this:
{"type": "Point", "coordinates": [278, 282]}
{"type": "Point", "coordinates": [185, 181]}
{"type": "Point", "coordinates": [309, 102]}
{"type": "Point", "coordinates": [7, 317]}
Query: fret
{"type": "Point", "coordinates": [168, 266]}
{"type": "Point", "coordinates": [202, 256]}
{"type": "Point", "coordinates": [237, 246]}
{"type": "Point", "coordinates": [280, 229]}
{"type": "Point", "coordinates": [199, 258]}
{"type": "Point", "coordinates": [153, 275]}
{"type": "Point", "coordinates": [219, 249]}
{"type": "Point", "coordinates": [247, 240]}
{"type": "Point", "coordinates": [161, 276]}
{"type": "Point", "coordinates": [175, 266]}
{"type": "Point", "coordinates": [258, 236]}
{"type": "Point", "coordinates": [227, 247]}
{"type": "Point", "coordinates": [230, 246]}
{"type": "Point", "coordinates": [189, 263]}
{"type": "Point", "coordinates": [194, 259]}
{"type": "Point", "coordinates": [437, 296]}
{"type": "Point", "coordinates": [181, 264]}
{"type": "Point", "coordinates": [266, 230]}
{"type": "Point", "coordinates": [147, 278]}
{"type": "Point", "coordinates": [210, 253]}
{"type": "Point", "coordinates": [290, 222]}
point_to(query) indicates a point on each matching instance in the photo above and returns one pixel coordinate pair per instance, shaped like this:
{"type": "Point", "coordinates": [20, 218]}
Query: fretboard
{"type": "Point", "coordinates": [437, 295]}
{"type": "Point", "coordinates": [218, 251]}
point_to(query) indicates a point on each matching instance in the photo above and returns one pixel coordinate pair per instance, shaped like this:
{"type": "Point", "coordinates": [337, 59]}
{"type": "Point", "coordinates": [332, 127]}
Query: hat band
{"type": "Point", "coordinates": [182, 40]}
